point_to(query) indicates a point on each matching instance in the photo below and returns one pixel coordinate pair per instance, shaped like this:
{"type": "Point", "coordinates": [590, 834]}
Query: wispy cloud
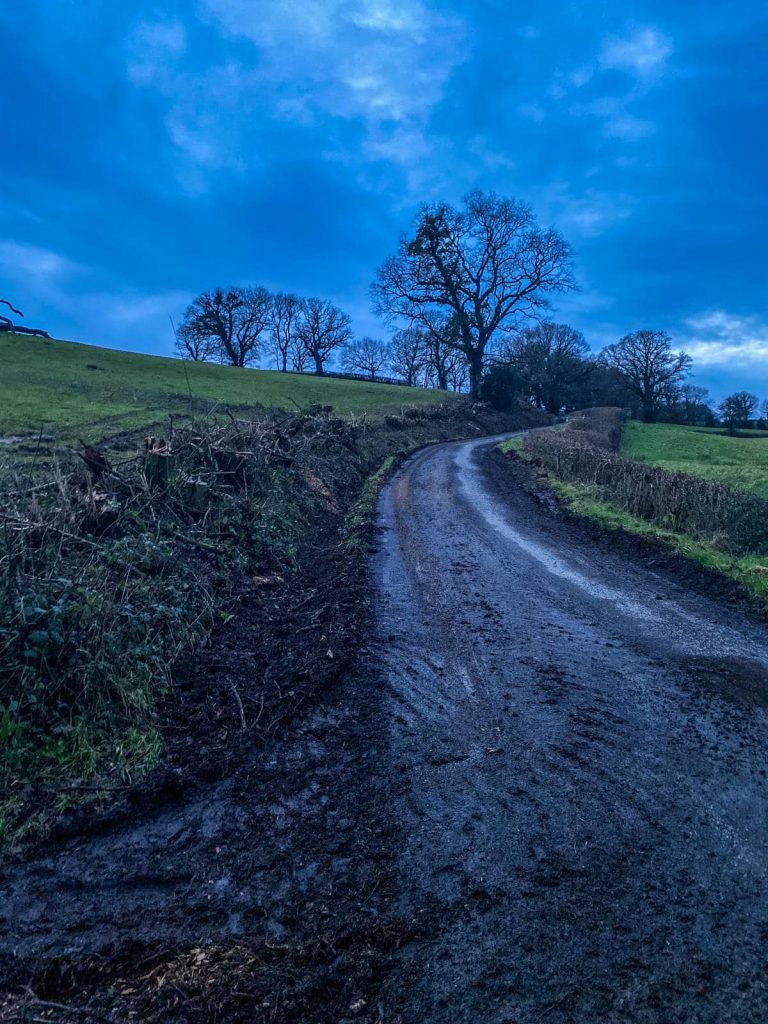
{"type": "Point", "coordinates": [628, 127]}
{"type": "Point", "coordinates": [33, 268]}
{"type": "Point", "coordinates": [642, 52]}
{"type": "Point", "coordinates": [206, 112]}
{"type": "Point", "coordinates": [720, 339]}
{"type": "Point", "coordinates": [382, 64]}
{"type": "Point", "coordinates": [532, 111]}
{"type": "Point", "coordinates": [43, 279]}
{"type": "Point", "coordinates": [379, 60]}
{"type": "Point", "coordinates": [585, 214]}
{"type": "Point", "coordinates": [153, 49]}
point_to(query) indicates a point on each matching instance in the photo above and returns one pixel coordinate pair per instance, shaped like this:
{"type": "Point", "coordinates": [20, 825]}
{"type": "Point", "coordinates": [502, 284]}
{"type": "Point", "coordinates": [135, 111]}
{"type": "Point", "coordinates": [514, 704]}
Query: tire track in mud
{"type": "Point", "coordinates": [541, 796]}
{"type": "Point", "coordinates": [582, 746]}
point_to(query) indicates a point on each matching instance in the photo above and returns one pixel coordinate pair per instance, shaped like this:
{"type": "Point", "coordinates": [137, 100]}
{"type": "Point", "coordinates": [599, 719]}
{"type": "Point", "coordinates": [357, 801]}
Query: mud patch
{"type": "Point", "coordinates": [737, 680]}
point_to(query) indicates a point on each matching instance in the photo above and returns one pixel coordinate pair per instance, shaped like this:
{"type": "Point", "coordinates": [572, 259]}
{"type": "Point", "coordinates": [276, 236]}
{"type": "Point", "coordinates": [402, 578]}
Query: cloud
{"type": "Point", "coordinates": [585, 215]}
{"type": "Point", "coordinates": [387, 16]}
{"type": "Point", "coordinates": [378, 60]}
{"type": "Point", "coordinates": [628, 127]}
{"type": "Point", "coordinates": [486, 152]}
{"type": "Point", "coordinates": [61, 288]}
{"type": "Point", "coordinates": [131, 309]}
{"type": "Point", "coordinates": [152, 48]}
{"type": "Point", "coordinates": [580, 77]}
{"type": "Point", "coordinates": [206, 111]}
{"type": "Point", "coordinates": [720, 339]}
{"type": "Point", "coordinates": [642, 53]}
{"type": "Point", "coordinates": [532, 111]}
{"type": "Point", "coordinates": [378, 67]}
{"type": "Point", "coordinates": [618, 122]}
{"type": "Point", "coordinates": [32, 268]}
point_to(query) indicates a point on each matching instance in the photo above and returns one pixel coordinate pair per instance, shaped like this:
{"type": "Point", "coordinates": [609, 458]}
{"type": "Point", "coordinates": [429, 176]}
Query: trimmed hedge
{"type": "Point", "coordinates": [584, 453]}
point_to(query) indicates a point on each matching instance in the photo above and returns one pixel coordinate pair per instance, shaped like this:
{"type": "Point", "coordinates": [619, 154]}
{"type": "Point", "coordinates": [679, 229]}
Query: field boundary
{"type": "Point", "coordinates": [706, 510]}
{"type": "Point", "coordinates": [741, 576]}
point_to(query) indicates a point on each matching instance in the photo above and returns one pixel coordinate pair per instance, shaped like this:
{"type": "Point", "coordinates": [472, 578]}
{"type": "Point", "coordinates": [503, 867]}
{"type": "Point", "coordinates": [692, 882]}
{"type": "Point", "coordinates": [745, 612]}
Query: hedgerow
{"type": "Point", "coordinates": [585, 453]}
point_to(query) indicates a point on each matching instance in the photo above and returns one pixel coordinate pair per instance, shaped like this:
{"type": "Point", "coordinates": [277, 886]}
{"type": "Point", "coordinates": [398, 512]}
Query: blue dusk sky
{"type": "Point", "coordinates": [150, 151]}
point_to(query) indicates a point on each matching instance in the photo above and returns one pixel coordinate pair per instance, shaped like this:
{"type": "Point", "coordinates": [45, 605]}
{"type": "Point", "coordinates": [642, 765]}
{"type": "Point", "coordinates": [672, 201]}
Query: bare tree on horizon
{"type": "Point", "coordinates": [484, 266]}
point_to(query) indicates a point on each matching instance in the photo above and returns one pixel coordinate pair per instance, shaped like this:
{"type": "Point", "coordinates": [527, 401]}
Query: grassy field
{"type": "Point", "coordinates": [740, 462]}
{"type": "Point", "coordinates": [70, 390]}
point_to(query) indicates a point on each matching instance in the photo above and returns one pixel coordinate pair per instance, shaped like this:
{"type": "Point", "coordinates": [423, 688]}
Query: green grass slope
{"type": "Point", "coordinates": [71, 390]}
{"type": "Point", "coordinates": [740, 462]}
{"type": "Point", "coordinates": [748, 570]}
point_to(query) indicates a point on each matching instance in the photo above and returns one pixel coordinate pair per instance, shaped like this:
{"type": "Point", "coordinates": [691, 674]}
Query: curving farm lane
{"type": "Point", "coordinates": [580, 746]}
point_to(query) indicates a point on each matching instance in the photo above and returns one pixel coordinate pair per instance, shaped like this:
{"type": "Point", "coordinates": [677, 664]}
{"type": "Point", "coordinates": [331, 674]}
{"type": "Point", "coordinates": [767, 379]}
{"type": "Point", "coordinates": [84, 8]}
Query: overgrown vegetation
{"type": "Point", "coordinates": [718, 526]}
{"type": "Point", "coordinates": [109, 573]}
{"type": "Point", "coordinates": [748, 570]}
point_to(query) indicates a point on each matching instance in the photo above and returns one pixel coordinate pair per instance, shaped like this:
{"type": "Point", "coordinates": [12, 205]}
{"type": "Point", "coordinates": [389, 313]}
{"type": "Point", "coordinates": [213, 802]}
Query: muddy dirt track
{"type": "Point", "coordinates": [584, 750]}
{"type": "Point", "coordinates": [542, 798]}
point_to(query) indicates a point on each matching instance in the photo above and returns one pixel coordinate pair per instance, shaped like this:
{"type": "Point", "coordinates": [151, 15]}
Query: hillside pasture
{"type": "Point", "coordinates": [740, 462]}
{"type": "Point", "coordinates": [67, 391]}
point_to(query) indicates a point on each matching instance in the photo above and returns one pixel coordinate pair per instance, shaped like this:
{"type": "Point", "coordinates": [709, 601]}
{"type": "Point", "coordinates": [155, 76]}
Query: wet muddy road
{"type": "Point", "coordinates": [580, 749]}
{"type": "Point", "coordinates": [542, 797]}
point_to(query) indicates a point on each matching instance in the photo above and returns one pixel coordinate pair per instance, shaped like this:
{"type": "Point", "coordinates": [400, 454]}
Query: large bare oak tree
{"type": "Point", "coordinates": [322, 327]}
{"type": "Point", "coordinates": [650, 369]}
{"type": "Point", "coordinates": [485, 267]}
{"type": "Point", "coordinates": [227, 324]}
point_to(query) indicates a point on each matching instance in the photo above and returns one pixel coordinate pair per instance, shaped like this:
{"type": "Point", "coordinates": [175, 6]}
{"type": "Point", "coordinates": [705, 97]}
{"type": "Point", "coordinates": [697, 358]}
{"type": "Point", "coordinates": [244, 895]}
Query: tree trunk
{"type": "Point", "coordinates": [475, 373]}
{"type": "Point", "coordinates": [319, 368]}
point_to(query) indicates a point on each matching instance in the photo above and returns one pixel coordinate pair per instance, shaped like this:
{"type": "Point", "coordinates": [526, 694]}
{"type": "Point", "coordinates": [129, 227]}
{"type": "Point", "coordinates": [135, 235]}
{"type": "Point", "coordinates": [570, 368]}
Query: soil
{"type": "Point", "coordinates": [534, 791]}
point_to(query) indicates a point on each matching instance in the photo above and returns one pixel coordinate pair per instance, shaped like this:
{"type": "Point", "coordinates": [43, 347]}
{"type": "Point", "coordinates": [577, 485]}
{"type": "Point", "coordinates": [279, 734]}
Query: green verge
{"type": "Point", "coordinates": [749, 570]}
{"type": "Point", "coordinates": [363, 513]}
{"type": "Point", "coordinates": [517, 446]}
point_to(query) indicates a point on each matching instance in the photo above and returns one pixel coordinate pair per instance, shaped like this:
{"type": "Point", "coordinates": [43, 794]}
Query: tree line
{"type": "Point", "coordinates": [243, 326]}
{"type": "Point", "coordinates": [465, 295]}
{"type": "Point", "coordinates": [551, 366]}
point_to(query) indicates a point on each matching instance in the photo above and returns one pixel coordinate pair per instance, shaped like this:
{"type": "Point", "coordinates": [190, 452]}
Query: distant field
{"type": "Point", "coordinates": [740, 462]}
{"type": "Point", "coordinates": [70, 390]}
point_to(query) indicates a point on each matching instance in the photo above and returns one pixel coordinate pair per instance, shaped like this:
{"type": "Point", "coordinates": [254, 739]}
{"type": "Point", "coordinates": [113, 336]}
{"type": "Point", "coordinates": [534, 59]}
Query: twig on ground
{"type": "Point", "coordinates": [239, 707]}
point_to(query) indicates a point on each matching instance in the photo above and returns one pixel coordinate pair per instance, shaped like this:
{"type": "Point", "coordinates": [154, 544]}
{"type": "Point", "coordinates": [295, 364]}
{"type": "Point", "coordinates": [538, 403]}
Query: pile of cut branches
{"type": "Point", "coordinates": [109, 572]}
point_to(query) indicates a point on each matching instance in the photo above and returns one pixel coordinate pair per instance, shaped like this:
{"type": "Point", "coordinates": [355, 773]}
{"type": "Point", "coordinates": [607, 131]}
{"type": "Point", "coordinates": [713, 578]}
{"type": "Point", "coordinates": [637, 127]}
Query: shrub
{"type": "Point", "coordinates": [501, 388]}
{"type": "Point", "coordinates": [599, 427]}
